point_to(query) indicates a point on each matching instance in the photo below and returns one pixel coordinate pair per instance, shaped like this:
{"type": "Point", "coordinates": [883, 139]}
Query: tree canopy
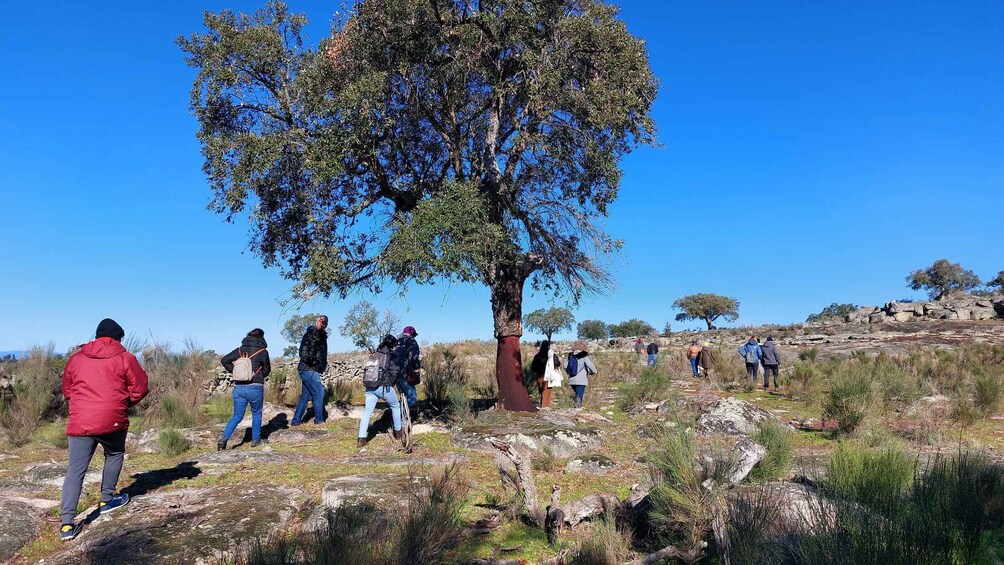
{"type": "Point", "coordinates": [708, 307]}
{"type": "Point", "coordinates": [631, 328]}
{"type": "Point", "coordinates": [832, 311]}
{"type": "Point", "coordinates": [426, 141]}
{"type": "Point", "coordinates": [364, 326]}
{"type": "Point", "coordinates": [942, 279]}
{"type": "Point", "coordinates": [997, 282]}
{"type": "Point", "coordinates": [593, 329]}
{"type": "Point", "coordinates": [550, 321]}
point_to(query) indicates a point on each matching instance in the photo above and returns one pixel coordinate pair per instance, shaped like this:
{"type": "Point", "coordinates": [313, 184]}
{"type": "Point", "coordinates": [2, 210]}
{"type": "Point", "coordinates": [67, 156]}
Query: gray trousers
{"type": "Point", "coordinates": [81, 450]}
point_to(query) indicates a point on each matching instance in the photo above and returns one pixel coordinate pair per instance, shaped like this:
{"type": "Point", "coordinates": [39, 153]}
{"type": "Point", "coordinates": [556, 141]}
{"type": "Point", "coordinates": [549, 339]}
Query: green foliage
{"type": "Point", "coordinates": [871, 477]}
{"type": "Point", "coordinates": [776, 438]}
{"type": "Point", "coordinates": [988, 392]}
{"type": "Point", "coordinates": [682, 509]}
{"type": "Point", "coordinates": [809, 355]}
{"type": "Point", "coordinates": [340, 391]}
{"type": "Point", "coordinates": [942, 278]}
{"type": "Point", "coordinates": [219, 408]}
{"type": "Point", "coordinates": [631, 328]}
{"type": "Point", "coordinates": [175, 413]}
{"type": "Point", "coordinates": [832, 312]}
{"type": "Point", "coordinates": [37, 394]}
{"type": "Point", "coordinates": [653, 385]}
{"type": "Point", "coordinates": [293, 331]}
{"type": "Point", "coordinates": [707, 307]}
{"type": "Point", "coordinates": [53, 434]}
{"type": "Point", "coordinates": [364, 326]}
{"type": "Point", "coordinates": [593, 329]}
{"type": "Point", "coordinates": [550, 321]}
{"type": "Point", "coordinates": [172, 442]}
{"type": "Point", "coordinates": [442, 369]}
{"type": "Point", "coordinates": [849, 399]}
{"type": "Point", "coordinates": [545, 460]}
{"type": "Point", "coordinates": [996, 282]}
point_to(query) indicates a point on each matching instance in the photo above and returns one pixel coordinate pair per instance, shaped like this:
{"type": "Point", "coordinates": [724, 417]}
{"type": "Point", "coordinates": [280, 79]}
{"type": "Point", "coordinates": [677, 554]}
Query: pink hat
{"type": "Point", "coordinates": [410, 331]}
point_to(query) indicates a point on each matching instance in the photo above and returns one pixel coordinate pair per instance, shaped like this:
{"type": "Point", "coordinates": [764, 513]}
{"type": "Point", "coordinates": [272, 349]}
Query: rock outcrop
{"type": "Point", "coordinates": [731, 416]}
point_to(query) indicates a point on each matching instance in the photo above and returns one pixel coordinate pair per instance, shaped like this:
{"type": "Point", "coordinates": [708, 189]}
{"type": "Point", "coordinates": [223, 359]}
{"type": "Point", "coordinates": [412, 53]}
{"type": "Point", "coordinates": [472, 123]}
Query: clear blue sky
{"type": "Point", "coordinates": [811, 152]}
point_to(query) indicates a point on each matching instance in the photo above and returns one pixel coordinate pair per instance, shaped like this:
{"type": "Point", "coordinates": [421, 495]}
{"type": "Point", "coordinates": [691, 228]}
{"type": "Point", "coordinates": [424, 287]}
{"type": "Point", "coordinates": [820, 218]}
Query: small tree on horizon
{"type": "Point", "coordinates": [942, 279]}
{"type": "Point", "coordinates": [364, 326]}
{"type": "Point", "coordinates": [550, 320]}
{"type": "Point", "coordinates": [293, 330]}
{"type": "Point", "coordinates": [997, 282]}
{"type": "Point", "coordinates": [631, 328]}
{"type": "Point", "coordinates": [593, 329]}
{"type": "Point", "coordinates": [708, 307]}
{"type": "Point", "coordinates": [834, 310]}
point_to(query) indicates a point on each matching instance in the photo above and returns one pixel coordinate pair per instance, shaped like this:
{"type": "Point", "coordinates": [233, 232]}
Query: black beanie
{"type": "Point", "coordinates": [109, 328]}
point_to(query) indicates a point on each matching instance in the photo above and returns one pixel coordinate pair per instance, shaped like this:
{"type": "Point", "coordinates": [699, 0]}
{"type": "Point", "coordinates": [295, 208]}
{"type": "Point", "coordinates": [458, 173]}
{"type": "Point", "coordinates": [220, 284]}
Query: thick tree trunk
{"type": "Point", "coordinates": [710, 322]}
{"type": "Point", "coordinates": [507, 307]}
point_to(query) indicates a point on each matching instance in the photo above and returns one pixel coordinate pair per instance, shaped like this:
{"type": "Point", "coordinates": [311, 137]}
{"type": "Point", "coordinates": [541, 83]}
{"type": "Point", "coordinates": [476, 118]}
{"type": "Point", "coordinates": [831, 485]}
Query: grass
{"type": "Point", "coordinates": [849, 399]}
{"type": "Point", "coordinates": [605, 545]}
{"type": "Point", "coordinates": [776, 463]}
{"type": "Point", "coordinates": [172, 442]}
{"type": "Point", "coordinates": [652, 385]}
{"type": "Point", "coordinates": [218, 408]}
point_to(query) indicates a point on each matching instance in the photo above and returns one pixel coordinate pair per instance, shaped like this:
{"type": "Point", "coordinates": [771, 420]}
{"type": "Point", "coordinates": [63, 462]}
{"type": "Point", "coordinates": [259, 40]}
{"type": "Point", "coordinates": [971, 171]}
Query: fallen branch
{"type": "Point", "coordinates": [524, 480]}
{"type": "Point", "coordinates": [558, 559]}
{"type": "Point", "coordinates": [692, 555]}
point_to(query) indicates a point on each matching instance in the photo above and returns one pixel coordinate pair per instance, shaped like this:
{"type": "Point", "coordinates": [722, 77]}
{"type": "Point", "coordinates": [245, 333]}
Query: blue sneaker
{"type": "Point", "coordinates": [115, 503]}
{"type": "Point", "coordinates": [69, 531]}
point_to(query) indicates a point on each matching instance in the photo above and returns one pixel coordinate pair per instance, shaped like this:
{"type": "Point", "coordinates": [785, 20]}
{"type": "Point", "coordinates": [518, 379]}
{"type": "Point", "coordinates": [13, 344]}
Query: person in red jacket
{"type": "Point", "coordinates": [100, 381]}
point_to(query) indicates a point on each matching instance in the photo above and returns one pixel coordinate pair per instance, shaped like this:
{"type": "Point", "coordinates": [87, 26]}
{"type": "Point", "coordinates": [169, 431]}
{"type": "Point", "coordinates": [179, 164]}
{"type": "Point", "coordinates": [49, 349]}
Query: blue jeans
{"type": "Point", "coordinates": [693, 365]}
{"type": "Point", "coordinates": [387, 394]}
{"type": "Point", "coordinates": [410, 393]}
{"type": "Point", "coordinates": [652, 359]}
{"type": "Point", "coordinates": [580, 392]}
{"type": "Point", "coordinates": [244, 395]}
{"type": "Point", "coordinates": [312, 390]}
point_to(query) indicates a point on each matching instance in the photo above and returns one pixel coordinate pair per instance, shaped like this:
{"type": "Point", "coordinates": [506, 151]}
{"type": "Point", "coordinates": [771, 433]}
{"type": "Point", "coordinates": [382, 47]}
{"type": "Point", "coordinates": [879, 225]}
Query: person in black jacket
{"type": "Point", "coordinates": [254, 347]}
{"type": "Point", "coordinates": [407, 364]}
{"type": "Point", "coordinates": [313, 362]}
{"type": "Point", "coordinates": [771, 362]}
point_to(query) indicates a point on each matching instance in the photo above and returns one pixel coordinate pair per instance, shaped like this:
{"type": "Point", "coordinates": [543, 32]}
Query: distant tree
{"type": "Point", "coordinates": [942, 279]}
{"type": "Point", "coordinates": [550, 321]}
{"type": "Point", "coordinates": [667, 329]}
{"type": "Point", "coordinates": [293, 330]}
{"type": "Point", "coordinates": [593, 329]}
{"type": "Point", "coordinates": [424, 141]}
{"type": "Point", "coordinates": [997, 282]}
{"type": "Point", "coordinates": [364, 326]}
{"type": "Point", "coordinates": [707, 307]}
{"type": "Point", "coordinates": [631, 328]}
{"type": "Point", "coordinates": [832, 311]}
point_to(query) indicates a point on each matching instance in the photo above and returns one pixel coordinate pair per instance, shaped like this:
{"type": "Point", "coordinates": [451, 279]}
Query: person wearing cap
{"type": "Point", "coordinates": [100, 382]}
{"type": "Point", "coordinates": [692, 352]}
{"type": "Point", "coordinates": [408, 360]}
{"type": "Point", "coordinates": [771, 361]}
{"type": "Point", "coordinates": [313, 363]}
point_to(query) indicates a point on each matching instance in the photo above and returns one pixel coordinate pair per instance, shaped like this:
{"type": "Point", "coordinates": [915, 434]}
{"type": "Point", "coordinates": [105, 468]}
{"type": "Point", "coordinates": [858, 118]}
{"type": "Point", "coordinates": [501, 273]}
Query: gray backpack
{"type": "Point", "coordinates": [375, 373]}
{"type": "Point", "coordinates": [750, 353]}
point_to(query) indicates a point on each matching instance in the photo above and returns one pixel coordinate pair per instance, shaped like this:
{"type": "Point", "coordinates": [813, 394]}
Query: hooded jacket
{"type": "Point", "coordinates": [261, 365]}
{"type": "Point", "coordinates": [771, 355]}
{"type": "Point", "coordinates": [101, 381]}
{"type": "Point", "coordinates": [407, 358]}
{"type": "Point", "coordinates": [757, 351]}
{"type": "Point", "coordinates": [313, 350]}
{"type": "Point", "coordinates": [706, 358]}
{"type": "Point", "coordinates": [586, 368]}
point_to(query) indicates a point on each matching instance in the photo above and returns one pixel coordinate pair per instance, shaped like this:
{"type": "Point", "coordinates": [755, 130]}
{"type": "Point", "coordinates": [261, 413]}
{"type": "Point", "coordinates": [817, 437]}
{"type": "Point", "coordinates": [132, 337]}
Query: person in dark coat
{"type": "Point", "coordinates": [706, 360]}
{"type": "Point", "coordinates": [100, 382]}
{"type": "Point", "coordinates": [313, 362]}
{"type": "Point", "coordinates": [771, 361]}
{"type": "Point", "coordinates": [254, 347]}
{"type": "Point", "coordinates": [409, 362]}
{"type": "Point", "coordinates": [653, 354]}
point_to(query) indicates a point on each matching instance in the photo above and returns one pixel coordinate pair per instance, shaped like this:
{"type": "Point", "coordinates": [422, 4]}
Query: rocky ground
{"type": "Point", "coordinates": [194, 507]}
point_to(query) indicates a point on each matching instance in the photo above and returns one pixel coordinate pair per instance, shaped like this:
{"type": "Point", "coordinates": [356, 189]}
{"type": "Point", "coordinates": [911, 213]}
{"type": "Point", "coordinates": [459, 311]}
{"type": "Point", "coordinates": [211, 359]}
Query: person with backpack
{"type": "Point", "coordinates": [100, 382]}
{"type": "Point", "coordinates": [379, 380]}
{"type": "Point", "coordinates": [653, 354]}
{"type": "Point", "coordinates": [751, 354]}
{"type": "Point", "coordinates": [771, 361]}
{"type": "Point", "coordinates": [249, 366]}
{"type": "Point", "coordinates": [545, 366]}
{"type": "Point", "coordinates": [692, 352]}
{"type": "Point", "coordinates": [706, 360]}
{"type": "Point", "coordinates": [579, 366]}
{"type": "Point", "coordinates": [313, 363]}
{"type": "Point", "coordinates": [408, 362]}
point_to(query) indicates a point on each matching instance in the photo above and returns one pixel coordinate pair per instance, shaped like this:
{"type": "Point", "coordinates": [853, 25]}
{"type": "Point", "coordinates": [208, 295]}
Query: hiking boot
{"type": "Point", "coordinates": [69, 531]}
{"type": "Point", "coordinates": [361, 443]}
{"type": "Point", "coordinates": [221, 445]}
{"type": "Point", "coordinates": [117, 501]}
{"type": "Point", "coordinates": [398, 434]}
{"type": "Point", "coordinates": [256, 443]}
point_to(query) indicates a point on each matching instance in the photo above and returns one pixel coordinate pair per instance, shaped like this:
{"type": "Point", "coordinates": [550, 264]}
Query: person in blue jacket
{"type": "Point", "coordinates": [751, 354]}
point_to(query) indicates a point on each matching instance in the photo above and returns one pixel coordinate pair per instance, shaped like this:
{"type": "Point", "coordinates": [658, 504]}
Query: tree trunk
{"type": "Point", "coordinates": [507, 307]}
{"type": "Point", "coordinates": [710, 323]}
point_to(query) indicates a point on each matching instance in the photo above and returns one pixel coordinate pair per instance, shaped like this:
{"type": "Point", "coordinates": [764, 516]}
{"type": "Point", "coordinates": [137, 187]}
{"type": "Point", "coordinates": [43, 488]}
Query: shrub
{"type": "Point", "coordinates": [869, 476]}
{"type": "Point", "coordinates": [631, 328]}
{"type": "Point", "coordinates": [988, 391]}
{"type": "Point", "coordinates": [776, 438]}
{"type": "Point", "coordinates": [653, 385]}
{"type": "Point", "coordinates": [680, 510]}
{"type": "Point", "coordinates": [175, 414]}
{"type": "Point", "coordinates": [340, 392]}
{"type": "Point", "coordinates": [37, 394]}
{"type": "Point", "coordinates": [592, 329]}
{"type": "Point", "coordinates": [546, 460]}
{"type": "Point", "coordinates": [432, 524]}
{"type": "Point", "coordinates": [442, 368]}
{"type": "Point", "coordinates": [53, 434]}
{"type": "Point", "coordinates": [849, 398]}
{"type": "Point", "coordinates": [460, 403]}
{"type": "Point", "coordinates": [218, 408]}
{"type": "Point", "coordinates": [606, 545]}
{"type": "Point", "coordinates": [172, 442]}
{"type": "Point", "coordinates": [803, 381]}
{"type": "Point", "coordinates": [832, 312]}
{"type": "Point", "coordinates": [809, 355]}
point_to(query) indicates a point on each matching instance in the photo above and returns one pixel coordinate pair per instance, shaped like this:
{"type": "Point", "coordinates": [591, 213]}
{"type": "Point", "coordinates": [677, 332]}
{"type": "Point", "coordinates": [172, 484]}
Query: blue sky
{"type": "Point", "coordinates": [810, 152]}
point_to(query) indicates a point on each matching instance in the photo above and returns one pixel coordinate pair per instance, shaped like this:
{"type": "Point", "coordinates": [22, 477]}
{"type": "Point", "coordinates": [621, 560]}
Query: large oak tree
{"type": "Point", "coordinates": [469, 141]}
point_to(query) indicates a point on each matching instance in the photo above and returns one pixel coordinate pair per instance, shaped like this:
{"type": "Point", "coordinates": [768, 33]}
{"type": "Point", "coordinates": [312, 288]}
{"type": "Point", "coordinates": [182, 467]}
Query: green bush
{"type": "Point", "coordinates": [460, 403]}
{"type": "Point", "coordinates": [441, 369]}
{"type": "Point", "coordinates": [988, 391]}
{"type": "Point", "coordinates": [175, 414]}
{"type": "Point", "coordinates": [809, 355]}
{"type": "Point", "coordinates": [53, 434]}
{"type": "Point", "coordinates": [869, 476]}
{"type": "Point", "coordinates": [172, 442]}
{"type": "Point", "coordinates": [849, 399]}
{"type": "Point", "coordinates": [653, 385]}
{"type": "Point", "coordinates": [776, 463]}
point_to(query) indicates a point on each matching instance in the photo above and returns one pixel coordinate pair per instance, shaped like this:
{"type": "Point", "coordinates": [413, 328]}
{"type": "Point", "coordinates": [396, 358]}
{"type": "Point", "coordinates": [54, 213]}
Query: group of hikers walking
{"type": "Point", "coordinates": [546, 366]}
{"type": "Point", "coordinates": [701, 357]}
